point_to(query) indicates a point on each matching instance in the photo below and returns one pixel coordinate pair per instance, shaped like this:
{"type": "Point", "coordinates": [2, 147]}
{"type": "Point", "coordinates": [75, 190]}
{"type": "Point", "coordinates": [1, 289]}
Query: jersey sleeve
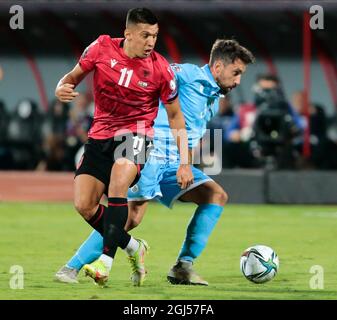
{"type": "Point", "coordinates": [179, 72]}
{"type": "Point", "coordinates": [89, 56]}
{"type": "Point", "coordinates": [168, 85]}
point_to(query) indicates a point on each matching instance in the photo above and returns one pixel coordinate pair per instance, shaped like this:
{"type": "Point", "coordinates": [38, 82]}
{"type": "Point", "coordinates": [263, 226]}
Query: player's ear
{"type": "Point", "coordinates": [127, 34]}
{"type": "Point", "coordinates": [217, 67]}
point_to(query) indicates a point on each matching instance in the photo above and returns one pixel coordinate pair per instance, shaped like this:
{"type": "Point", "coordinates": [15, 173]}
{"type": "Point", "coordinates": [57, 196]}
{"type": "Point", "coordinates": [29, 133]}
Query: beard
{"type": "Point", "coordinates": [225, 90]}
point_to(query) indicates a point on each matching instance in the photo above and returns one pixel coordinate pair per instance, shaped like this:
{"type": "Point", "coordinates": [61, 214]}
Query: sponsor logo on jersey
{"type": "Point", "coordinates": [142, 84]}
{"type": "Point", "coordinates": [135, 188]}
{"type": "Point", "coordinates": [113, 63]}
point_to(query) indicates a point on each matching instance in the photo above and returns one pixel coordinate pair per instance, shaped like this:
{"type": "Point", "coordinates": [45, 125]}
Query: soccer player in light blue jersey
{"type": "Point", "coordinates": [200, 89]}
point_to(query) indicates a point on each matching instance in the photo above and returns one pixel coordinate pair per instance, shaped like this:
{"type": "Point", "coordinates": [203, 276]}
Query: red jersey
{"type": "Point", "coordinates": [126, 90]}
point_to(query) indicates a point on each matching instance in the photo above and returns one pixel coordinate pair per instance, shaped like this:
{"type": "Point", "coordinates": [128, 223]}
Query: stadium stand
{"type": "Point", "coordinates": [37, 133]}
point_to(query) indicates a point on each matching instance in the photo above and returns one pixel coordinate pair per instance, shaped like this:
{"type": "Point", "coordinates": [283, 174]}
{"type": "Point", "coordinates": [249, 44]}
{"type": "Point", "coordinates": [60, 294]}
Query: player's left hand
{"type": "Point", "coordinates": [185, 176]}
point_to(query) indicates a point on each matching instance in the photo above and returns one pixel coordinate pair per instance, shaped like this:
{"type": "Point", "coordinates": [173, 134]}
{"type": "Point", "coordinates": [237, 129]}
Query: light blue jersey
{"type": "Point", "coordinates": [199, 99]}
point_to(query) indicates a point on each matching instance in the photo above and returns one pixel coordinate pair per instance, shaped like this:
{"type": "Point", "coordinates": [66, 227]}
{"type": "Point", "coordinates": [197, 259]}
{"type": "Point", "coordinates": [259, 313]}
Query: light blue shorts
{"type": "Point", "coordinates": [159, 181]}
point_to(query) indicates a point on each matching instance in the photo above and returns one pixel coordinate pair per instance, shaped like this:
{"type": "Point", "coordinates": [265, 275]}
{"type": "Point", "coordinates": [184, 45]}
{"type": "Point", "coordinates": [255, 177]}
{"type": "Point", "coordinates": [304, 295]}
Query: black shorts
{"type": "Point", "coordinates": [100, 155]}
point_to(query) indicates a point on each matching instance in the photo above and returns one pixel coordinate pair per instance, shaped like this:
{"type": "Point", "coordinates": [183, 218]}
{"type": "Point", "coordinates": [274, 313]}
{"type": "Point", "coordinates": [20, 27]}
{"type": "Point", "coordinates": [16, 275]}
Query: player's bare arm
{"type": "Point", "coordinates": [177, 124]}
{"type": "Point", "coordinates": [183, 173]}
{"type": "Point", "coordinates": [65, 88]}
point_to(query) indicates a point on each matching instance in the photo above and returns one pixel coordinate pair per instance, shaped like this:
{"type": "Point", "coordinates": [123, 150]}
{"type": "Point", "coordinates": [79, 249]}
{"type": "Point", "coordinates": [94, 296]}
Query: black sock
{"type": "Point", "coordinates": [115, 217]}
{"type": "Point", "coordinates": [97, 221]}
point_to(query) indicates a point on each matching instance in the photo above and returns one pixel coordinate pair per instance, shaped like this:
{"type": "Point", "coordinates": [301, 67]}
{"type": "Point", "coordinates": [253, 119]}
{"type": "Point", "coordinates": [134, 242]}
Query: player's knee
{"type": "Point", "coordinates": [220, 197]}
{"type": "Point", "coordinates": [224, 197]}
{"type": "Point", "coordinates": [84, 208]}
{"type": "Point", "coordinates": [118, 191]}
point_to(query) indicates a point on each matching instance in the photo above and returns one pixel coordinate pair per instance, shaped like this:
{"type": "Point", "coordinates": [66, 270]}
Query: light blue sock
{"type": "Point", "coordinates": [199, 230]}
{"type": "Point", "coordinates": [89, 251]}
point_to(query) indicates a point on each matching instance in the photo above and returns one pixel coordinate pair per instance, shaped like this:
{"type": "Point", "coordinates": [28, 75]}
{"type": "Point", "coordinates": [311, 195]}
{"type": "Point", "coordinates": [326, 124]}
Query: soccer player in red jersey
{"type": "Point", "coordinates": [129, 79]}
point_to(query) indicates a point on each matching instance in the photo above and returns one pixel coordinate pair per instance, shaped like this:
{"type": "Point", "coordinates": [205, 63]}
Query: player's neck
{"type": "Point", "coordinates": [127, 50]}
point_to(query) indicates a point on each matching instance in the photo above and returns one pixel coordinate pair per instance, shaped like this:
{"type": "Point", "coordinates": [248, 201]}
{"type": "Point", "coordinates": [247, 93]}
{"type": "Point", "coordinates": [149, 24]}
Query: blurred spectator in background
{"type": "Point", "coordinates": [54, 137]}
{"type": "Point", "coordinates": [6, 160]}
{"type": "Point", "coordinates": [236, 148]}
{"type": "Point", "coordinates": [222, 119]}
{"type": "Point", "coordinates": [25, 135]}
{"type": "Point", "coordinates": [78, 125]}
{"type": "Point", "coordinates": [1, 73]}
{"type": "Point", "coordinates": [261, 133]}
{"type": "Point", "coordinates": [64, 131]}
{"type": "Point", "coordinates": [210, 154]}
{"type": "Point", "coordinates": [4, 119]}
{"type": "Point", "coordinates": [5, 155]}
{"type": "Point", "coordinates": [58, 117]}
{"type": "Point", "coordinates": [317, 127]}
{"type": "Point", "coordinates": [330, 159]}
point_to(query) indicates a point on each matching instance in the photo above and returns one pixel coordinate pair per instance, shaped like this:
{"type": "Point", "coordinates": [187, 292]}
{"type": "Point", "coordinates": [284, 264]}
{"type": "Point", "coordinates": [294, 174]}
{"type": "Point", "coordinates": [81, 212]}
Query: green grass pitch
{"type": "Point", "coordinates": [41, 237]}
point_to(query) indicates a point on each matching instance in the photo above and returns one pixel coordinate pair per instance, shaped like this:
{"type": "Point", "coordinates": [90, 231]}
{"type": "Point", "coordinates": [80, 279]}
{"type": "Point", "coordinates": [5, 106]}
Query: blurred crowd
{"type": "Point", "coordinates": [271, 132]}
{"type": "Point", "coordinates": [33, 140]}
{"type": "Point", "coordinates": [268, 132]}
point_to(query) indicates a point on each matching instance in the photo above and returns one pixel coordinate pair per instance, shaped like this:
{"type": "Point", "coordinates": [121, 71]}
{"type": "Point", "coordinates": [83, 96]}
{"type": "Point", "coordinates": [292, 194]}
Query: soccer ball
{"type": "Point", "coordinates": [259, 263]}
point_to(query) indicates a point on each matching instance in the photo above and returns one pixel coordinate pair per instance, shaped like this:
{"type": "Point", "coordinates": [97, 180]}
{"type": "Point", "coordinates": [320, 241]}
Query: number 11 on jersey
{"type": "Point", "coordinates": [125, 72]}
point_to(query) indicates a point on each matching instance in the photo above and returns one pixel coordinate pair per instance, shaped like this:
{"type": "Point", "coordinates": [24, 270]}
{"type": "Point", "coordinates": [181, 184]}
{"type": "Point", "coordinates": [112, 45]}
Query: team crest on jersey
{"type": "Point", "coordinates": [142, 84]}
{"type": "Point", "coordinates": [146, 73]}
{"type": "Point", "coordinates": [176, 67]}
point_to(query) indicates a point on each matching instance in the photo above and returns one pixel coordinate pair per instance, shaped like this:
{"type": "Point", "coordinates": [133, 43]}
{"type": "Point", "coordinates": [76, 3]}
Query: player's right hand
{"type": "Point", "coordinates": [184, 176]}
{"type": "Point", "coordinates": [65, 92]}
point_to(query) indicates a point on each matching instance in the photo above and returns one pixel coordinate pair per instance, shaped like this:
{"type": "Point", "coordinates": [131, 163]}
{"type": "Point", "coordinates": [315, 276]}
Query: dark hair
{"type": "Point", "coordinates": [228, 51]}
{"type": "Point", "coordinates": [267, 76]}
{"type": "Point", "coordinates": [140, 15]}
